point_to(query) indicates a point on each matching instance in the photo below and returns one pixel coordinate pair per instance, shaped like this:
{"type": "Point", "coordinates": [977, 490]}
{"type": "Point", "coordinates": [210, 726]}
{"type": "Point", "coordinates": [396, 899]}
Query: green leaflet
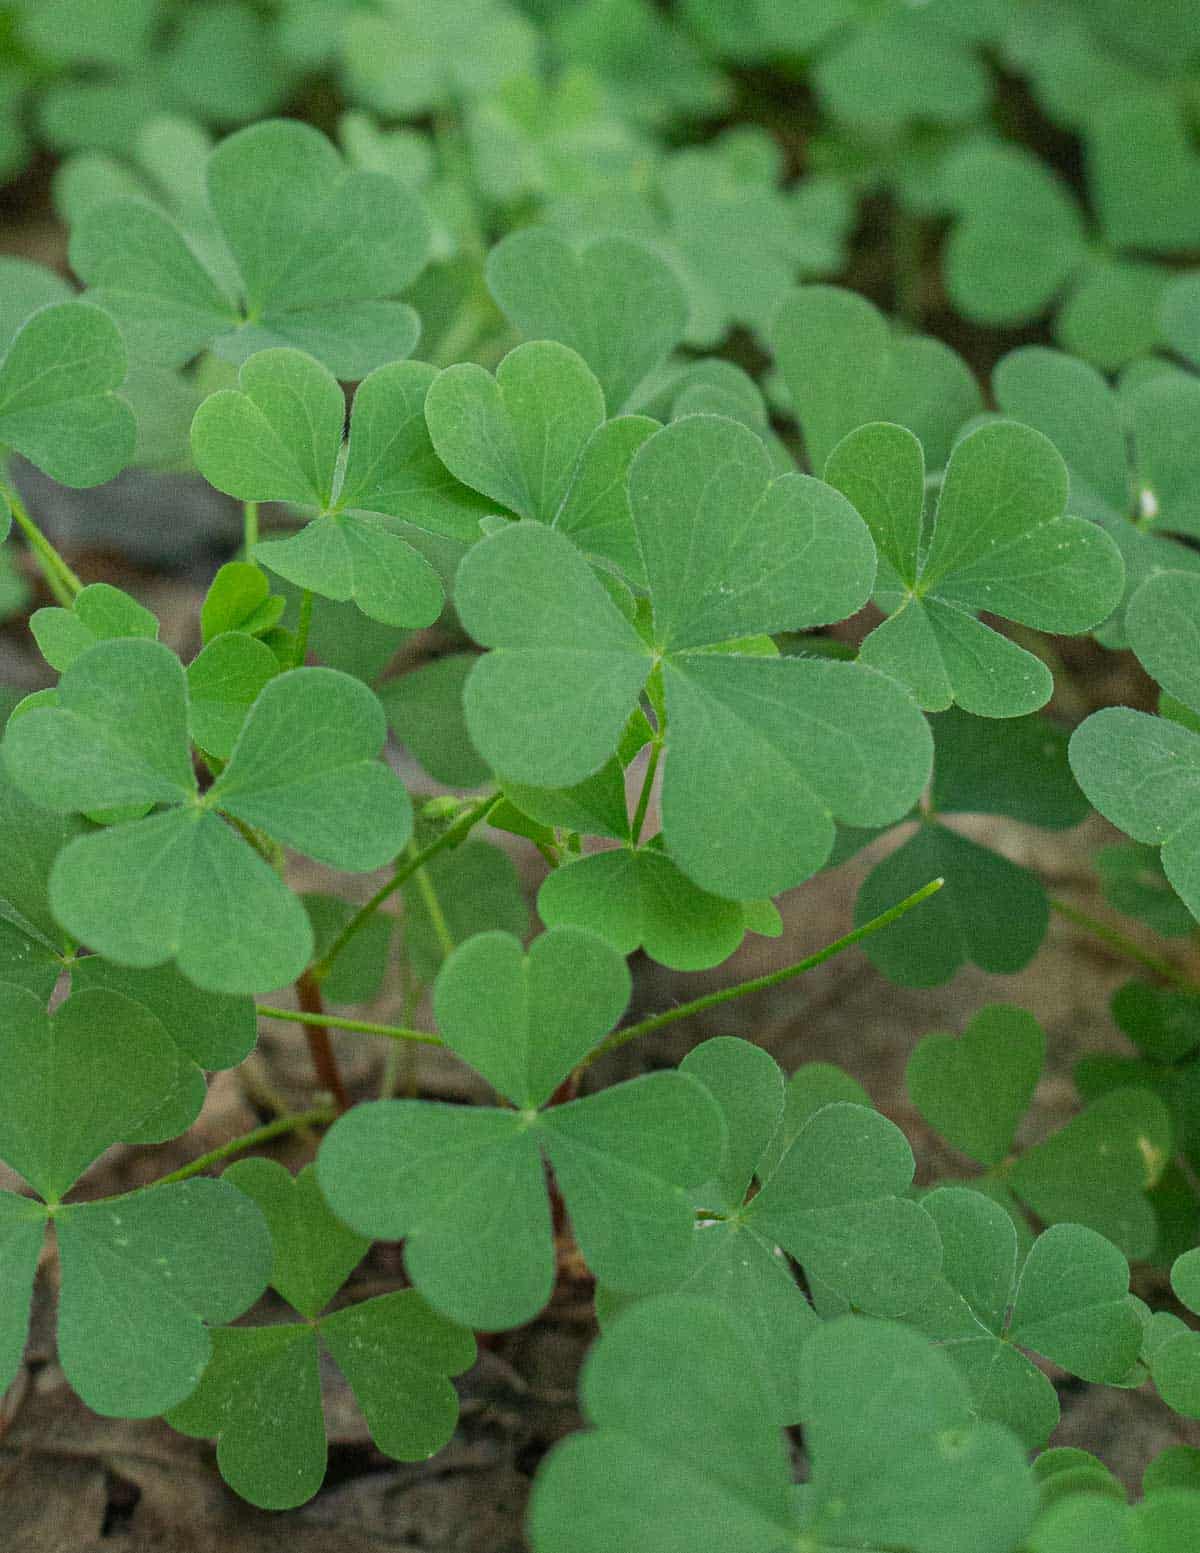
{"type": "Point", "coordinates": [477, 1227]}
{"type": "Point", "coordinates": [224, 681]}
{"type": "Point", "coordinates": [99, 613]}
{"type": "Point", "coordinates": [239, 598]}
{"type": "Point", "coordinates": [425, 712]}
{"type": "Point", "coordinates": [278, 437]}
{"type": "Point", "coordinates": [729, 553]}
{"type": "Point", "coordinates": [1000, 542]}
{"type": "Point", "coordinates": [844, 367]}
{"type": "Point", "coordinates": [33, 948]}
{"type": "Point", "coordinates": [1069, 1301]}
{"type": "Point", "coordinates": [318, 264]}
{"type": "Point", "coordinates": [975, 1090]}
{"type": "Point", "coordinates": [57, 401]}
{"type": "Point", "coordinates": [1142, 772]}
{"type": "Point", "coordinates": [303, 769]}
{"type": "Point", "coordinates": [613, 301]}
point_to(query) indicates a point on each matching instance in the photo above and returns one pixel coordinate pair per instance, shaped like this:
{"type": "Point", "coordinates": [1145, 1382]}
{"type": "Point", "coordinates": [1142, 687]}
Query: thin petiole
{"type": "Point", "coordinates": [643, 804]}
{"type": "Point", "coordinates": [63, 582]}
{"type": "Point", "coordinates": [336, 1022]}
{"type": "Point", "coordinates": [1124, 945]}
{"type": "Point", "coordinates": [760, 983]}
{"type": "Point", "coordinates": [404, 871]}
{"type": "Point", "coordinates": [249, 1140]}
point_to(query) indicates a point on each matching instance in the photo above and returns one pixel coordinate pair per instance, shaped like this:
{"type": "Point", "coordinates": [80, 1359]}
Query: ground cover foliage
{"type": "Point", "coordinates": [533, 331]}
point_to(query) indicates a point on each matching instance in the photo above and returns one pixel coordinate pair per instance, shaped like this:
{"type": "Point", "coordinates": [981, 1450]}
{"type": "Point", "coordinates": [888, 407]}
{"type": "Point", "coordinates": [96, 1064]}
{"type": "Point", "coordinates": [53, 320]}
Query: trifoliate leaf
{"type": "Point", "coordinates": [76, 1081]}
{"type": "Point", "coordinates": [835, 1203]}
{"type": "Point", "coordinates": [471, 889]}
{"type": "Point", "coordinates": [425, 711]}
{"type": "Point", "coordinates": [614, 301]}
{"type": "Point", "coordinates": [844, 367]}
{"type": "Point", "coordinates": [516, 438]}
{"type": "Point", "coordinates": [141, 1275]}
{"type": "Point", "coordinates": [57, 402]}
{"type": "Point", "coordinates": [1000, 542]}
{"type": "Point", "coordinates": [898, 1459]}
{"type": "Point", "coordinates": [675, 1449]}
{"type": "Point", "coordinates": [318, 264]}
{"type": "Point", "coordinates": [99, 613]}
{"type": "Point", "coordinates": [975, 1090]}
{"type": "Point", "coordinates": [525, 1021]}
{"type": "Point", "coordinates": [1096, 1170]}
{"type": "Point", "coordinates": [729, 554]}
{"type": "Point", "coordinates": [811, 1087]}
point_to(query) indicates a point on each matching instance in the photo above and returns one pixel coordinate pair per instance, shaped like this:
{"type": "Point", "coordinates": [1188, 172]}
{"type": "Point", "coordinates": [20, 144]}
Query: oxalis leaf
{"type": "Point", "coordinates": [261, 1392]}
{"type": "Point", "coordinates": [319, 263]}
{"type": "Point", "coordinates": [278, 437]}
{"type": "Point", "coordinates": [683, 1456]}
{"type": "Point", "coordinates": [464, 1186]}
{"type": "Point", "coordinates": [181, 884]}
{"type": "Point", "coordinates": [137, 1282]}
{"type": "Point", "coordinates": [33, 947]}
{"type": "Point", "coordinates": [613, 300]}
{"type": "Point", "coordinates": [58, 405]}
{"type": "Point", "coordinates": [1069, 1301]}
{"type": "Point", "coordinates": [1143, 772]}
{"type": "Point", "coordinates": [729, 554]}
{"type": "Point", "coordinates": [1000, 542]}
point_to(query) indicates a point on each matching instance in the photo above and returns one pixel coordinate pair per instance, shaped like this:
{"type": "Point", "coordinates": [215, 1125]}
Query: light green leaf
{"type": "Point", "coordinates": [99, 613]}
{"type": "Point", "coordinates": [516, 438]}
{"type": "Point", "coordinates": [77, 1081]}
{"type": "Point", "coordinates": [614, 301]}
{"type": "Point", "coordinates": [239, 598]}
{"type": "Point", "coordinates": [1000, 542]}
{"type": "Point", "coordinates": [747, 1084]}
{"type": "Point", "coordinates": [224, 680]}
{"type": "Point", "coordinates": [140, 1276]}
{"type": "Point", "coordinates": [525, 1021]}
{"type": "Point", "coordinates": [974, 1091]}
{"type": "Point", "coordinates": [1072, 1305]}
{"type": "Point", "coordinates": [344, 557]}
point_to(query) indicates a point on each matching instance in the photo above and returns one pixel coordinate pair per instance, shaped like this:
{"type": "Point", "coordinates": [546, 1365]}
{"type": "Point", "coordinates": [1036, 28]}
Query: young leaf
{"type": "Point", "coordinates": [975, 1091]}
{"type": "Point", "coordinates": [318, 264]}
{"type": "Point", "coordinates": [614, 301]}
{"type": "Point", "coordinates": [844, 367]}
{"type": "Point", "coordinates": [1000, 542]}
{"type": "Point", "coordinates": [141, 1275]}
{"type": "Point", "coordinates": [57, 402]}
{"type": "Point", "coordinates": [675, 1449]}
{"type": "Point", "coordinates": [239, 598]}
{"type": "Point", "coordinates": [729, 554]}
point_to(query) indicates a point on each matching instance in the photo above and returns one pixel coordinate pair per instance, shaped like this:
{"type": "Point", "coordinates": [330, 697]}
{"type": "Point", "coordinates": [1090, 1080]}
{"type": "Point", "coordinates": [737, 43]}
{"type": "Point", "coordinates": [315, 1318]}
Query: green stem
{"type": "Point", "coordinates": [437, 917]}
{"type": "Point", "coordinates": [1125, 946]}
{"type": "Point", "coordinates": [643, 804]}
{"type": "Point", "coordinates": [249, 527]}
{"type": "Point", "coordinates": [62, 581]}
{"type": "Point", "coordinates": [249, 1140]}
{"type": "Point", "coordinates": [302, 629]}
{"type": "Point", "coordinates": [404, 871]}
{"type": "Point", "coordinates": [336, 1022]}
{"type": "Point", "coordinates": [760, 983]}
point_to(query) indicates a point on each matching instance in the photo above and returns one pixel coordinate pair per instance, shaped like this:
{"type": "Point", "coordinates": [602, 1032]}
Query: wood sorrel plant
{"type": "Point", "coordinates": [641, 573]}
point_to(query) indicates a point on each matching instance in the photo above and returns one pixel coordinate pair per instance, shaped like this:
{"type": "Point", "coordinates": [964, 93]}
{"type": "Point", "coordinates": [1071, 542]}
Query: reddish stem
{"type": "Point", "coordinates": [320, 1048]}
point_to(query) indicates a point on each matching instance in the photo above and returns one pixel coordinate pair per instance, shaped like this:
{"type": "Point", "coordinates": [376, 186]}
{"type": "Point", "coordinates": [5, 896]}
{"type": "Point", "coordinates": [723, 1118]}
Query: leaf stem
{"type": "Point", "coordinates": [450, 837]}
{"type": "Point", "coordinates": [643, 803]}
{"type": "Point", "coordinates": [1124, 945]}
{"type": "Point", "coordinates": [63, 582]}
{"type": "Point", "coordinates": [437, 917]}
{"type": "Point", "coordinates": [302, 628]}
{"type": "Point", "coordinates": [249, 1140]}
{"type": "Point", "coordinates": [249, 527]}
{"type": "Point", "coordinates": [336, 1022]}
{"type": "Point", "coordinates": [760, 983]}
{"type": "Point", "coordinates": [324, 1061]}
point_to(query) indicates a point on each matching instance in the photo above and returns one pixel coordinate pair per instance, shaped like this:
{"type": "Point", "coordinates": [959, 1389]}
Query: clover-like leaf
{"type": "Point", "coordinates": [1000, 542]}
{"type": "Point", "coordinates": [58, 404]}
{"type": "Point", "coordinates": [303, 768]}
{"type": "Point", "coordinates": [1069, 1301]}
{"type": "Point", "coordinates": [224, 680]}
{"type": "Point", "coordinates": [614, 301]}
{"type": "Point", "coordinates": [845, 367]}
{"type": "Point", "coordinates": [975, 1090]}
{"type": "Point", "coordinates": [99, 613]}
{"type": "Point", "coordinates": [729, 554]}
{"type": "Point", "coordinates": [675, 1448]}
{"type": "Point", "coordinates": [1143, 772]}
{"type": "Point", "coordinates": [477, 1227]}
{"type": "Point", "coordinates": [239, 598]}
{"type": "Point", "coordinates": [1096, 1170]}
{"type": "Point", "coordinates": [318, 264]}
